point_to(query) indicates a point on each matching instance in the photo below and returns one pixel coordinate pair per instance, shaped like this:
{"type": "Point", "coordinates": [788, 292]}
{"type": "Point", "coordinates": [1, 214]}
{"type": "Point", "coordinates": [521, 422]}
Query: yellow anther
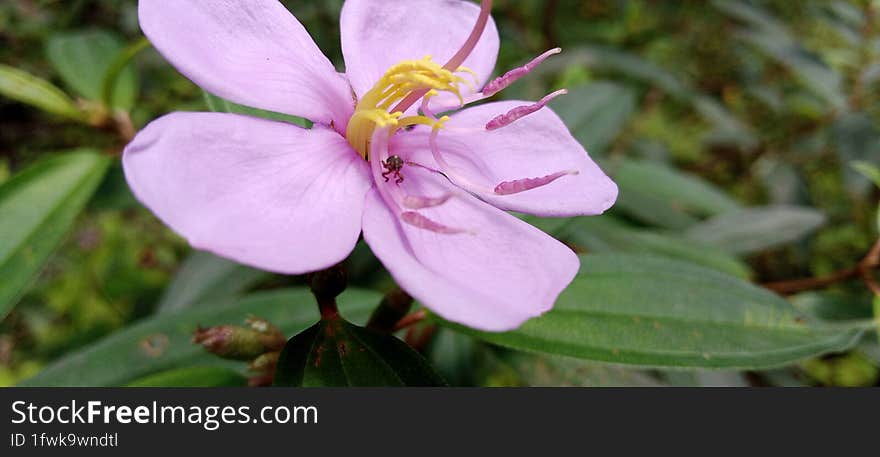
{"type": "Point", "coordinates": [398, 82]}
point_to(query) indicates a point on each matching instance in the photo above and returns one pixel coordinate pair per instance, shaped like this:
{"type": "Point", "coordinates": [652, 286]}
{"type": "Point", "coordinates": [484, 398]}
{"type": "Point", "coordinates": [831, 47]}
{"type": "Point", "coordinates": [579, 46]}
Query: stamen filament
{"type": "Point", "coordinates": [455, 62]}
{"type": "Point", "coordinates": [503, 82]}
{"type": "Point", "coordinates": [522, 185]}
{"type": "Point", "coordinates": [521, 111]}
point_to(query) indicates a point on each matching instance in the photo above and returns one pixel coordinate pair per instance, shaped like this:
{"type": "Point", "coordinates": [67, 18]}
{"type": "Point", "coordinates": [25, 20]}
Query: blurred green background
{"type": "Point", "coordinates": [697, 108]}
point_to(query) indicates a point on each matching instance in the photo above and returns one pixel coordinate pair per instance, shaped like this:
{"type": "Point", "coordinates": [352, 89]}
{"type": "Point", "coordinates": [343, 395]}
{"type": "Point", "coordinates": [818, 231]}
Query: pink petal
{"type": "Point", "coordinates": [494, 276]}
{"type": "Point", "coordinates": [263, 193]}
{"type": "Point", "coordinates": [535, 147]}
{"type": "Point", "coordinates": [253, 52]}
{"type": "Point", "coordinates": [377, 34]}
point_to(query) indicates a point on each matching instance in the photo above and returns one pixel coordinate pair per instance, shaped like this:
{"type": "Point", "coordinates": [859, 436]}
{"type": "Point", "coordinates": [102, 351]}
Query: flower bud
{"type": "Point", "coordinates": [328, 284]}
{"type": "Point", "coordinates": [241, 343]}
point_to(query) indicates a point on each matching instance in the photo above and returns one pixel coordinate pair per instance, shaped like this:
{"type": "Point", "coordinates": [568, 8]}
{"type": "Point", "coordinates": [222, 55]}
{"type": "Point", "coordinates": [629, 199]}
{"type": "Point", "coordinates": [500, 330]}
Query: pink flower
{"type": "Point", "coordinates": [431, 196]}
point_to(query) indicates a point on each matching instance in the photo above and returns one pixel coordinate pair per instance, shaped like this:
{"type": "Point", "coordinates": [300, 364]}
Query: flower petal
{"type": "Point", "coordinates": [252, 52]}
{"type": "Point", "coordinates": [535, 147]}
{"type": "Point", "coordinates": [377, 34]}
{"type": "Point", "coordinates": [263, 193]}
{"type": "Point", "coordinates": [491, 271]}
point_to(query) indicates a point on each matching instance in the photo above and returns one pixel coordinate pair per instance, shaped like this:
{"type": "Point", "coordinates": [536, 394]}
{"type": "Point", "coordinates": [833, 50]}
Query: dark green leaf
{"type": "Point", "coordinates": [681, 190]}
{"type": "Point", "coordinates": [551, 371]}
{"type": "Point", "coordinates": [206, 278]}
{"type": "Point", "coordinates": [755, 229]}
{"type": "Point", "coordinates": [660, 313]}
{"type": "Point", "coordinates": [27, 88]}
{"type": "Point", "coordinates": [597, 113]}
{"type": "Point", "coordinates": [335, 353]}
{"type": "Point", "coordinates": [219, 105]}
{"type": "Point", "coordinates": [37, 208]}
{"type": "Point", "coordinates": [856, 138]}
{"type": "Point", "coordinates": [605, 234]}
{"type": "Point", "coordinates": [163, 342]}
{"type": "Point", "coordinates": [207, 376]}
{"type": "Point", "coordinates": [83, 59]}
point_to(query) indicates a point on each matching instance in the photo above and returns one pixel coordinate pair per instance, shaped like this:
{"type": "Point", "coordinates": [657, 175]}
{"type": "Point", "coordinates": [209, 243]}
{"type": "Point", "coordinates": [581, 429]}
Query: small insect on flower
{"type": "Point", "coordinates": [392, 167]}
{"type": "Point", "coordinates": [293, 200]}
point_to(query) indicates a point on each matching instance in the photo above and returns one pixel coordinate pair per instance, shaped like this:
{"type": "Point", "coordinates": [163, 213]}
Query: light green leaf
{"type": "Point", "coordinates": [206, 278]}
{"type": "Point", "coordinates": [868, 170]}
{"type": "Point", "coordinates": [163, 342]}
{"type": "Point", "coordinates": [605, 234]}
{"type": "Point", "coordinates": [655, 312]}
{"type": "Point", "coordinates": [27, 88]}
{"type": "Point", "coordinates": [37, 208]}
{"type": "Point", "coordinates": [754, 229]}
{"type": "Point", "coordinates": [335, 353]}
{"type": "Point", "coordinates": [83, 59]}
{"type": "Point", "coordinates": [220, 105]}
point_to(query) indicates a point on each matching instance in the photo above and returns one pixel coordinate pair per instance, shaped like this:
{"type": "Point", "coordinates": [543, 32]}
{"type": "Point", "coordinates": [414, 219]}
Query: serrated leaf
{"type": "Point", "coordinates": [605, 234]}
{"type": "Point", "coordinates": [163, 342]}
{"type": "Point", "coordinates": [206, 278]}
{"type": "Point", "coordinates": [754, 229]}
{"type": "Point", "coordinates": [654, 312]}
{"type": "Point", "coordinates": [37, 208]}
{"type": "Point", "coordinates": [83, 59]}
{"type": "Point", "coordinates": [24, 87]}
{"type": "Point", "coordinates": [335, 353]}
{"type": "Point", "coordinates": [220, 105]}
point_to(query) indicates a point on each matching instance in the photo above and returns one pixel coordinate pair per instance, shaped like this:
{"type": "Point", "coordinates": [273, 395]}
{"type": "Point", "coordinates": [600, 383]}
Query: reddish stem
{"type": "Point", "coordinates": [863, 269]}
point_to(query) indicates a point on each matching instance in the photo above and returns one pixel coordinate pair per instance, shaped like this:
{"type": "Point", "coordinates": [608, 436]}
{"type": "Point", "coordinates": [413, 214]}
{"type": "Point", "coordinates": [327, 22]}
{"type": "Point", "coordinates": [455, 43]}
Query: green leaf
{"type": "Point", "coordinates": [83, 60]}
{"type": "Point", "coordinates": [335, 353]}
{"type": "Point", "coordinates": [681, 190]}
{"type": "Point", "coordinates": [206, 278]}
{"type": "Point", "coordinates": [37, 208]}
{"type": "Point", "coordinates": [517, 369]}
{"type": "Point", "coordinates": [655, 312]}
{"type": "Point", "coordinates": [856, 138]}
{"type": "Point", "coordinates": [220, 105]}
{"type": "Point", "coordinates": [867, 170]}
{"type": "Point", "coordinates": [206, 376]}
{"type": "Point", "coordinates": [774, 39]}
{"type": "Point", "coordinates": [27, 88]}
{"type": "Point", "coordinates": [605, 234]}
{"type": "Point", "coordinates": [163, 342]}
{"type": "Point", "coordinates": [118, 66]}
{"type": "Point", "coordinates": [597, 113]}
{"type": "Point", "coordinates": [754, 229]}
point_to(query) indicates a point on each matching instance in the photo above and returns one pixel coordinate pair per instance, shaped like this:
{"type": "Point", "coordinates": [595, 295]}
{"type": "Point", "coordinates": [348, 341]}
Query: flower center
{"type": "Point", "coordinates": [379, 108]}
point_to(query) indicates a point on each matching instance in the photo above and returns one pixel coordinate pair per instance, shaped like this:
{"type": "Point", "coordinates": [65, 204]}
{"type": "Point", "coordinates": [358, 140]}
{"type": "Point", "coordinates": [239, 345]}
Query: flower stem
{"type": "Point", "coordinates": [326, 285]}
{"type": "Point", "coordinates": [391, 309]}
{"type": "Point", "coordinates": [863, 269]}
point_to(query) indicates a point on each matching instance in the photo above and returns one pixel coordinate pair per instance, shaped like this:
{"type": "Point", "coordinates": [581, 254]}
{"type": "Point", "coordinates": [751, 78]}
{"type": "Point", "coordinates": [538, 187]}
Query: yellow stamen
{"type": "Point", "coordinates": [402, 79]}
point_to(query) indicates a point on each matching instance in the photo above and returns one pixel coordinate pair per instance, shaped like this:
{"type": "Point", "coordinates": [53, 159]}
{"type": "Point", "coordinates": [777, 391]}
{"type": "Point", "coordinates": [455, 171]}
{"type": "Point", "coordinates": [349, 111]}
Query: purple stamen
{"type": "Point", "coordinates": [418, 202]}
{"type": "Point", "coordinates": [512, 76]}
{"type": "Point", "coordinates": [521, 111]}
{"type": "Point", "coordinates": [522, 185]}
{"type": "Point", "coordinates": [422, 222]}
